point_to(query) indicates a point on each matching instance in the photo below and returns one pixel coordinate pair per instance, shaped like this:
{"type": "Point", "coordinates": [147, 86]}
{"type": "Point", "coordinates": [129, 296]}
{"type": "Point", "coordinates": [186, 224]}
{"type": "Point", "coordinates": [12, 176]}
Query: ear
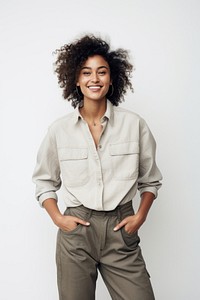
{"type": "Point", "coordinates": [77, 84]}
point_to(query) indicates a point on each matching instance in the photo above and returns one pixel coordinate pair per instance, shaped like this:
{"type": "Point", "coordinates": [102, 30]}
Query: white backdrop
{"type": "Point", "coordinates": [163, 37]}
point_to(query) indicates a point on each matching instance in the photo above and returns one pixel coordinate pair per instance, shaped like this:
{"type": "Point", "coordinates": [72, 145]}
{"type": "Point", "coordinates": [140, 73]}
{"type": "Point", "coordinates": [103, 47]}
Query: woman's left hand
{"type": "Point", "coordinates": [134, 222]}
{"type": "Point", "coordinates": [131, 223]}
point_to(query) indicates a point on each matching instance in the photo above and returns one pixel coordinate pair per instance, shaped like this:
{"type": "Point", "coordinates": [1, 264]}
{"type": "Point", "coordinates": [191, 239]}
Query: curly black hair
{"type": "Point", "coordinates": [71, 57]}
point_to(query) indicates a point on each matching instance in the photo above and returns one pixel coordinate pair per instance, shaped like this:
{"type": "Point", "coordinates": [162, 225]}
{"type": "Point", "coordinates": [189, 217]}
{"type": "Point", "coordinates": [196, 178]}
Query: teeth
{"type": "Point", "coordinates": [94, 87]}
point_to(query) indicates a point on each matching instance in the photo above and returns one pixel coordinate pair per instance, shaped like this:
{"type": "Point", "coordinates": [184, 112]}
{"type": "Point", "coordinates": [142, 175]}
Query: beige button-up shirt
{"type": "Point", "coordinates": [100, 177]}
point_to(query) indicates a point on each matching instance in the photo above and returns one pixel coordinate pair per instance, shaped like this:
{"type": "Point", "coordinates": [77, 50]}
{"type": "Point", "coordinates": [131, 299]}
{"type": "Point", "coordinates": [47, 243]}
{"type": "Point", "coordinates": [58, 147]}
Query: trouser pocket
{"type": "Point", "coordinates": [131, 240]}
{"type": "Point", "coordinates": [78, 212]}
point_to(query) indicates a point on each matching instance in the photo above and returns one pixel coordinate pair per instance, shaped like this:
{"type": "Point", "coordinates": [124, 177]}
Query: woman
{"type": "Point", "coordinates": [102, 154]}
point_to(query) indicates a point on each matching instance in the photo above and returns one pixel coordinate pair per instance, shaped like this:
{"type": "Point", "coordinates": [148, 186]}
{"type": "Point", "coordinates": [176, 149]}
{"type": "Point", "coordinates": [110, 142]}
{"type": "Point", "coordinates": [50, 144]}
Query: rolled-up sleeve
{"type": "Point", "coordinates": [46, 174]}
{"type": "Point", "coordinates": [149, 174]}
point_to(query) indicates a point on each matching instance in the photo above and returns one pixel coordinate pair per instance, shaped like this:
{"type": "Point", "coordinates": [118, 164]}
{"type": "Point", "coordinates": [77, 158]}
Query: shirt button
{"type": "Point", "coordinates": [100, 146]}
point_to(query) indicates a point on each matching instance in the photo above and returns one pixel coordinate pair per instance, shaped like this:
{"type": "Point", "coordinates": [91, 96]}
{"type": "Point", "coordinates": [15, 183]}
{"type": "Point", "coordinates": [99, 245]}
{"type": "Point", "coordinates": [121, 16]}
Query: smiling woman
{"type": "Point", "coordinates": [104, 154]}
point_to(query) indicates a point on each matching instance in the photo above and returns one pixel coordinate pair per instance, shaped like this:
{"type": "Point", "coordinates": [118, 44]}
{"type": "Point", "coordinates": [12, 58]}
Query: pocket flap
{"type": "Point", "coordinates": [124, 148]}
{"type": "Point", "coordinates": [73, 153]}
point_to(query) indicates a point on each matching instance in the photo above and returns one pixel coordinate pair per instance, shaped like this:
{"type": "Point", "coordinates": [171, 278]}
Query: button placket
{"type": "Point", "coordinates": [96, 154]}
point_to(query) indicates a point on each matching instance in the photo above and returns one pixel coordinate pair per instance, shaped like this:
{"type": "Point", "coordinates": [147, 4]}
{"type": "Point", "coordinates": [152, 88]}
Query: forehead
{"type": "Point", "coordinates": [95, 61]}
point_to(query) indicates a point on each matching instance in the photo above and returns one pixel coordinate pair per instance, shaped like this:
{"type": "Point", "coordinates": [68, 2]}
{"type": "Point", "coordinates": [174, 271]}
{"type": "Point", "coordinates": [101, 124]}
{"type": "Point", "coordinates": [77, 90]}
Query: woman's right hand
{"type": "Point", "coordinates": [66, 223]}
{"type": "Point", "coordinates": [69, 223]}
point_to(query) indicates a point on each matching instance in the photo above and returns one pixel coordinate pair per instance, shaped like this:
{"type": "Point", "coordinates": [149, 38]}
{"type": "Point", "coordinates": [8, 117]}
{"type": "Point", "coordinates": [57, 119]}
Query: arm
{"type": "Point", "coordinates": [148, 180]}
{"type": "Point", "coordinates": [46, 175]}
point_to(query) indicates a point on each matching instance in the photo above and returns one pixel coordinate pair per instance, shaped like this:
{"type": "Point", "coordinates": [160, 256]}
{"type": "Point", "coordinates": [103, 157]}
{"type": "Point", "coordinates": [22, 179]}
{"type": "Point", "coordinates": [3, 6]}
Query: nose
{"type": "Point", "coordinates": [95, 77]}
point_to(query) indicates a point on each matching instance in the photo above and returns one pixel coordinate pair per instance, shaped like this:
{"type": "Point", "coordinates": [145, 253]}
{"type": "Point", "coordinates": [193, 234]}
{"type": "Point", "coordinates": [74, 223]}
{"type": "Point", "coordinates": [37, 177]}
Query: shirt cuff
{"type": "Point", "coordinates": [46, 196]}
{"type": "Point", "coordinates": [150, 189]}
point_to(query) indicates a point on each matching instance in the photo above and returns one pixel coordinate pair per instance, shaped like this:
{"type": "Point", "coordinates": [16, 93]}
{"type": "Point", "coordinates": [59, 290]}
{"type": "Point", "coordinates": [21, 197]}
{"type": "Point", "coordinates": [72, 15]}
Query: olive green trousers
{"type": "Point", "coordinates": [81, 253]}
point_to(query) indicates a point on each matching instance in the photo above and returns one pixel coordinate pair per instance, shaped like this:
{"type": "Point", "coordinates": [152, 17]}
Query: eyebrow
{"type": "Point", "coordinates": [97, 68]}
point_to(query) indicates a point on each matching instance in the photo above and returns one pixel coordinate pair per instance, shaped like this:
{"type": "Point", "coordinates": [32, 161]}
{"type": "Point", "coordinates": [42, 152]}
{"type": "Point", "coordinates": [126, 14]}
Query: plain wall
{"type": "Point", "coordinates": [163, 37]}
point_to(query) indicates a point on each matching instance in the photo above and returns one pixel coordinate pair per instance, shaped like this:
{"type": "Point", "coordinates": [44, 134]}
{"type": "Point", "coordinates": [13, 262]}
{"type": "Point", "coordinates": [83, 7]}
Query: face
{"type": "Point", "coordinates": [94, 78]}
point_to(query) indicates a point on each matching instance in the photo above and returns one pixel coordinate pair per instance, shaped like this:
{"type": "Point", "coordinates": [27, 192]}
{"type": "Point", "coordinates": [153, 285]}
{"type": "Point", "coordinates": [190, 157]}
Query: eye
{"type": "Point", "coordinates": [86, 73]}
{"type": "Point", "coordinates": [102, 72]}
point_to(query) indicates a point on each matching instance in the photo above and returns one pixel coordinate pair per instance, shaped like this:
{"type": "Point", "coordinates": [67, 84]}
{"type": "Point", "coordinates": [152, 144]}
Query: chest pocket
{"type": "Point", "coordinates": [74, 166]}
{"type": "Point", "coordinates": [125, 160]}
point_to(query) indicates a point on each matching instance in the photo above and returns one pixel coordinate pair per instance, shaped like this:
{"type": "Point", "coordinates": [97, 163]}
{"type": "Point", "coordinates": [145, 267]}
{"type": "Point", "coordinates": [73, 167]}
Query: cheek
{"type": "Point", "coordinates": [80, 82]}
{"type": "Point", "coordinates": [108, 83]}
{"type": "Point", "coordinates": [109, 80]}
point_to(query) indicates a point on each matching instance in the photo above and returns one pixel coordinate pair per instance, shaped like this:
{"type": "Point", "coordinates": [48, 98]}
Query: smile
{"type": "Point", "coordinates": [95, 87]}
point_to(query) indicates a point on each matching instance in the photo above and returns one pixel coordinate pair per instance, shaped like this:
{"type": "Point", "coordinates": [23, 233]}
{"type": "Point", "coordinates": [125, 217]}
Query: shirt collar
{"type": "Point", "coordinates": [109, 114]}
{"type": "Point", "coordinates": [77, 115]}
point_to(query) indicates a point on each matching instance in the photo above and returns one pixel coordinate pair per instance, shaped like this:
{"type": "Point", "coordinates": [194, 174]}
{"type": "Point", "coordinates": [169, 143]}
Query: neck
{"type": "Point", "coordinates": [93, 110]}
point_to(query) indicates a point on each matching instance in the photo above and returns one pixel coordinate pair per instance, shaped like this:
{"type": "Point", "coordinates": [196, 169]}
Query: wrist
{"type": "Point", "coordinates": [141, 216]}
{"type": "Point", "coordinates": [57, 219]}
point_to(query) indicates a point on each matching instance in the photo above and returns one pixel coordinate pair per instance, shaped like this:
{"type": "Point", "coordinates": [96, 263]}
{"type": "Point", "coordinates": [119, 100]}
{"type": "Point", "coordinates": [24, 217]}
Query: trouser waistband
{"type": "Point", "coordinates": [118, 211]}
